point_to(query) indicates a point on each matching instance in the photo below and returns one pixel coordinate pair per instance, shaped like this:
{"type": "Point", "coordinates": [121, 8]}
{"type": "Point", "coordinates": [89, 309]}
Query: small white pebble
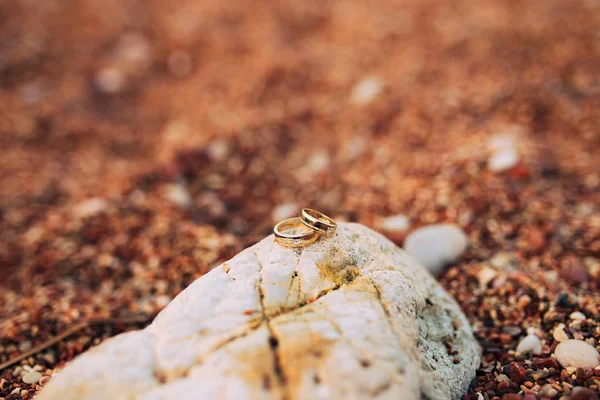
{"type": "Point", "coordinates": [486, 275]}
{"type": "Point", "coordinates": [435, 246]}
{"type": "Point", "coordinates": [162, 300]}
{"type": "Point", "coordinates": [503, 260]}
{"type": "Point", "coordinates": [366, 90]}
{"type": "Point", "coordinates": [503, 378]}
{"type": "Point", "coordinates": [32, 377]}
{"type": "Point", "coordinates": [90, 207]}
{"type": "Point", "coordinates": [319, 161]}
{"type": "Point", "coordinates": [577, 353]}
{"type": "Point", "coordinates": [396, 223]}
{"type": "Point", "coordinates": [218, 150]}
{"type": "Point", "coordinates": [110, 80]}
{"type": "Point", "coordinates": [530, 344]}
{"type": "Point", "coordinates": [285, 211]}
{"type": "Point", "coordinates": [559, 333]}
{"type": "Point", "coordinates": [503, 160]}
{"type": "Point", "coordinates": [577, 315]}
{"type": "Point", "coordinates": [178, 194]}
{"type": "Point", "coordinates": [135, 50]}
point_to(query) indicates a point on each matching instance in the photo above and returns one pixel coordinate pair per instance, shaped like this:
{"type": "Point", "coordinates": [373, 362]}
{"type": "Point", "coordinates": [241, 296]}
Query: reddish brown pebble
{"type": "Point", "coordinates": [573, 270]}
{"type": "Point", "coordinates": [545, 363]}
{"type": "Point", "coordinates": [517, 373]}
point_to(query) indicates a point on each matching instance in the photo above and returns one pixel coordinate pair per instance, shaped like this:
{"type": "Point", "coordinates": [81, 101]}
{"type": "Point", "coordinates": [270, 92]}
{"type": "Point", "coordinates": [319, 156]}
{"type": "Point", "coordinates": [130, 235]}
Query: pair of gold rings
{"type": "Point", "coordinates": [305, 229]}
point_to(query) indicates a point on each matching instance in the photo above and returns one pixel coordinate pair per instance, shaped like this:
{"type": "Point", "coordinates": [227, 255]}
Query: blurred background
{"type": "Point", "coordinates": [144, 142]}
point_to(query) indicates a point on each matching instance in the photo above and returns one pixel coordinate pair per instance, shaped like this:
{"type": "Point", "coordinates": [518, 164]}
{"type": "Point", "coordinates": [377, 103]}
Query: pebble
{"type": "Point", "coordinates": [110, 80]}
{"type": "Point", "coordinates": [582, 393]}
{"type": "Point", "coordinates": [435, 246]}
{"type": "Point", "coordinates": [574, 271]}
{"type": "Point", "coordinates": [517, 373]}
{"type": "Point", "coordinates": [395, 224]}
{"type": "Point", "coordinates": [530, 344]}
{"type": "Point", "coordinates": [319, 161]}
{"type": "Point", "coordinates": [577, 353]}
{"type": "Point", "coordinates": [577, 315]}
{"type": "Point", "coordinates": [559, 333]}
{"type": "Point", "coordinates": [548, 391]}
{"type": "Point", "coordinates": [366, 90]}
{"type": "Point", "coordinates": [90, 207]}
{"type": "Point", "coordinates": [503, 160]}
{"type": "Point", "coordinates": [486, 275]}
{"type": "Point", "coordinates": [134, 50]}
{"type": "Point", "coordinates": [178, 194]}
{"type": "Point", "coordinates": [32, 377]}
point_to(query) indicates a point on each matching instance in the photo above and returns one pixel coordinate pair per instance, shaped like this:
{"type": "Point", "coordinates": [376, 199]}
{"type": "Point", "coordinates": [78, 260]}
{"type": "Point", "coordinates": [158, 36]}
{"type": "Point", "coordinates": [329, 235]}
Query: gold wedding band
{"type": "Point", "coordinates": [318, 221]}
{"type": "Point", "coordinates": [293, 233]}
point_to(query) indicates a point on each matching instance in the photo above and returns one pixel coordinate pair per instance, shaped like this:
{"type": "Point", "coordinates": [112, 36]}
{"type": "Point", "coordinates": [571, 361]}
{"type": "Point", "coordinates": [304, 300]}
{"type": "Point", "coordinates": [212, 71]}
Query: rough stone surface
{"type": "Point", "coordinates": [351, 317]}
{"type": "Point", "coordinates": [435, 246]}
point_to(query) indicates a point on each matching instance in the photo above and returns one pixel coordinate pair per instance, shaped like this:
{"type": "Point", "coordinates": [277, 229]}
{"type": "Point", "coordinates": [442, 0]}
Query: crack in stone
{"type": "Point", "coordinates": [386, 312]}
{"type": "Point", "coordinates": [289, 291]}
{"type": "Point", "coordinates": [273, 341]}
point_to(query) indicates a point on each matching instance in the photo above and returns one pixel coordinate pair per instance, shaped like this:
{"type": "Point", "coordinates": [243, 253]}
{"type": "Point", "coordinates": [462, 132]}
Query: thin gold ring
{"type": "Point", "coordinates": [318, 221]}
{"type": "Point", "coordinates": [297, 235]}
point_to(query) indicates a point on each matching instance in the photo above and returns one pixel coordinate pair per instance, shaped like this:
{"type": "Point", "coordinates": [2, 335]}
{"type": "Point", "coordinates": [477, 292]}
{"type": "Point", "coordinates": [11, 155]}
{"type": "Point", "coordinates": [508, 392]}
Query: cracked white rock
{"type": "Point", "coordinates": [351, 316]}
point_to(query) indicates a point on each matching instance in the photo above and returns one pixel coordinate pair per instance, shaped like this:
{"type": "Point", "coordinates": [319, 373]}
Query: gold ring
{"type": "Point", "coordinates": [318, 221]}
{"type": "Point", "coordinates": [292, 233]}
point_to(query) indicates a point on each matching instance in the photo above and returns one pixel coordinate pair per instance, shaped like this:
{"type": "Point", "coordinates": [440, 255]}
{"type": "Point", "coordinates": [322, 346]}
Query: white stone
{"type": "Point", "coordinates": [366, 90]}
{"type": "Point", "coordinates": [559, 333]}
{"type": "Point", "coordinates": [435, 246]}
{"type": "Point", "coordinates": [486, 275]}
{"type": "Point", "coordinates": [178, 194]}
{"type": "Point", "coordinates": [503, 160]}
{"type": "Point", "coordinates": [395, 224]}
{"type": "Point", "coordinates": [32, 377]}
{"type": "Point", "coordinates": [319, 161]}
{"type": "Point", "coordinates": [577, 354]}
{"type": "Point", "coordinates": [90, 207]}
{"type": "Point", "coordinates": [577, 315]}
{"type": "Point", "coordinates": [349, 317]}
{"type": "Point", "coordinates": [530, 344]}
{"type": "Point", "coordinates": [134, 50]}
{"type": "Point", "coordinates": [110, 80]}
